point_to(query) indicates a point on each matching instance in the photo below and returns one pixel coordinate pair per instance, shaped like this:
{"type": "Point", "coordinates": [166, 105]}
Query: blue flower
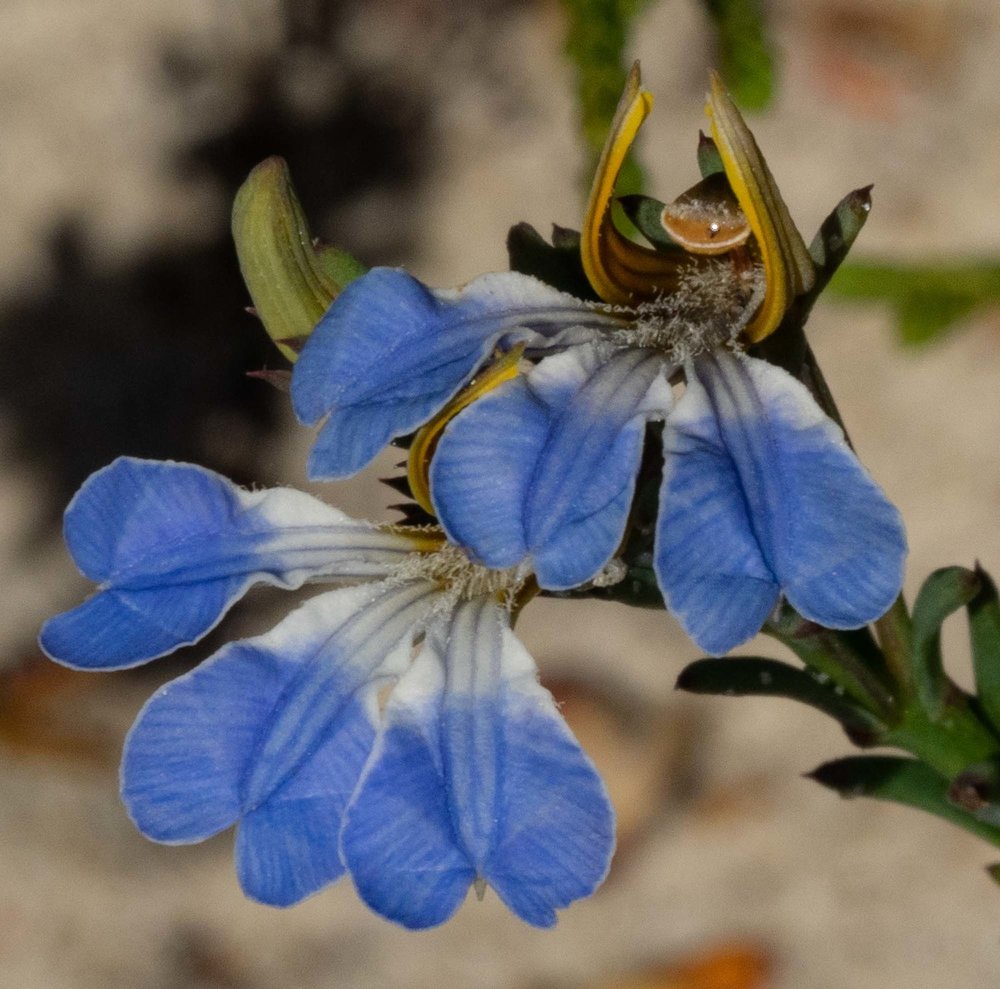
{"type": "Point", "coordinates": [469, 776]}
{"type": "Point", "coordinates": [761, 495]}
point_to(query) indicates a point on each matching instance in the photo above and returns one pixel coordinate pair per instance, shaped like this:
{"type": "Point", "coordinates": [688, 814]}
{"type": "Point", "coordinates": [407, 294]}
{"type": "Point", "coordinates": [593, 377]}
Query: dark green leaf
{"type": "Point", "coordinates": [556, 264]}
{"type": "Point", "coordinates": [904, 781]}
{"type": "Point", "coordinates": [944, 592]}
{"type": "Point", "coordinates": [984, 627]}
{"type": "Point", "coordinates": [743, 676]}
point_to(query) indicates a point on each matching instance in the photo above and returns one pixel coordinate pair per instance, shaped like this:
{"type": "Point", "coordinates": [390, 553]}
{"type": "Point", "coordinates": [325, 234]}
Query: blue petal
{"type": "Point", "coordinates": [390, 352]}
{"type": "Point", "coordinates": [476, 775]}
{"type": "Point", "coordinates": [545, 466]}
{"type": "Point", "coordinates": [274, 731]}
{"type": "Point", "coordinates": [762, 493]}
{"type": "Point", "coordinates": [174, 546]}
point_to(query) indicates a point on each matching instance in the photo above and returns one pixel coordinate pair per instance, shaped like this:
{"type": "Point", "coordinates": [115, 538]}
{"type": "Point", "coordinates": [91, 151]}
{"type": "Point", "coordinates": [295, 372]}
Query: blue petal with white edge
{"type": "Point", "coordinates": [390, 352]}
{"type": "Point", "coordinates": [173, 546]}
{"type": "Point", "coordinates": [761, 493]}
{"type": "Point", "coordinates": [545, 466]}
{"type": "Point", "coordinates": [476, 777]}
{"type": "Point", "coordinates": [273, 732]}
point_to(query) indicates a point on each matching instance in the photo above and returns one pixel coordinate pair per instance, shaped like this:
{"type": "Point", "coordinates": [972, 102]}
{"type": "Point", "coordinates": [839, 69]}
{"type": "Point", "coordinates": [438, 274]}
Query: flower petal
{"type": "Point", "coordinates": [751, 459]}
{"type": "Point", "coordinates": [174, 546]}
{"type": "Point", "coordinates": [476, 776]}
{"type": "Point", "coordinates": [274, 730]}
{"type": "Point", "coordinates": [390, 352]}
{"type": "Point", "coordinates": [545, 466]}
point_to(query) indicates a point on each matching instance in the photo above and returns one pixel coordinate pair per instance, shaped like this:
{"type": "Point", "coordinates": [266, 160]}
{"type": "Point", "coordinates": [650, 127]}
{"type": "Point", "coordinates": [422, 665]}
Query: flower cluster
{"type": "Point", "coordinates": [394, 728]}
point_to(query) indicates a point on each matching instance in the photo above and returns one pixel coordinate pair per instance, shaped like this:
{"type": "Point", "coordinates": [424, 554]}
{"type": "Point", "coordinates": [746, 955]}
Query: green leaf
{"type": "Point", "coordinates": [292, 279]}
{"type": "Point", "coordinates": [755, 676]}
{"type": "Point", "coordinates": [928, 299]}
{"type": "Point", "coordinates": [557, 264]}
{"type": "Point", "coordinates": [903, 781]}
{"type": "Point", "coordinates": [745, 58]}
{"type": "Point", "coordinates": [944, 592]}
{"type": "Point", "coordinates": [984, 628]}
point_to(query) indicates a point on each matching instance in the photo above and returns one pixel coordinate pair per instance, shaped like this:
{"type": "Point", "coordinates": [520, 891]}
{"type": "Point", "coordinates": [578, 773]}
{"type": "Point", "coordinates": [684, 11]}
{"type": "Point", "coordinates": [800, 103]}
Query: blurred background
{"type": "Point", "coordinates": [417, 133]}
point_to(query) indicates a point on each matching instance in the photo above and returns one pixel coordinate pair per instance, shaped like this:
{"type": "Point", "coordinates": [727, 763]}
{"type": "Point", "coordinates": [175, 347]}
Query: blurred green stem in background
{"type": "Point", "coordinates": [927, 299]}
{"type": "Point", "coordinates": [744, 56]}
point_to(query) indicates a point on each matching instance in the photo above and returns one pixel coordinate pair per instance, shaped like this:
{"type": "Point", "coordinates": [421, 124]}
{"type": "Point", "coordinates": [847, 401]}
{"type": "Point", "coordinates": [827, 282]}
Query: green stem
{"type": "Point", "coordinates": [895, 637]}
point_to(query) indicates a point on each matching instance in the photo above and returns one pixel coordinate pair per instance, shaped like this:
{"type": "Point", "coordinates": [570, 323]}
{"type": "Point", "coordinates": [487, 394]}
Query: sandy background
{"type": "Point", "coordinates": [429, 130]}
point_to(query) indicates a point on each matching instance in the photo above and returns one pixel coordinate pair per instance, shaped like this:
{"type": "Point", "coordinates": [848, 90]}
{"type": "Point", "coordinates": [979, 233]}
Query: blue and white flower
{"type": "Point", "coordinates": [468, 776]}
{"type": "Point", "coordinates": [761, 494]}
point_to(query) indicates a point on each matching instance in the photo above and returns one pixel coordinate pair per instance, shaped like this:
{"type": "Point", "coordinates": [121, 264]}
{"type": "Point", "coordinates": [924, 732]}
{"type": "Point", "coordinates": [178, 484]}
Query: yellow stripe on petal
{"type": "Point", "coordinates": [788, 269]}
{"type": "Point", "coordinates": [422, 449]}
{"type": "Point", "coordinates": [621, 272]}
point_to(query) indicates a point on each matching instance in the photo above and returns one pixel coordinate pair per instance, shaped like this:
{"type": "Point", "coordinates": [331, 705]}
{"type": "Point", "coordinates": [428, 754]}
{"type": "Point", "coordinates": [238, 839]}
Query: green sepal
{"type": "Point", "coordinates": [944, 592]}
{"type": "Point", "coordinates": [757, 676]}
{"type": "Point", "coordinates": [292, 279]}
{"type": "Point", "coordinates": [645, 213]}
{"type": "Point", "coordinates": [709, 160]}
{"type": "Point", "coordinates": [903, 781]}
{"type": "Point", "coordinates": [557, 264]}
{"type": "Point", "coordinates": [984, 630]}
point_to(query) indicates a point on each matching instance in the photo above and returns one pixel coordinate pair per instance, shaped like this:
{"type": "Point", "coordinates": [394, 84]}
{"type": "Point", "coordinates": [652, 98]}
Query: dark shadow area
{"type": "Point", "coordinates": [149, 358]}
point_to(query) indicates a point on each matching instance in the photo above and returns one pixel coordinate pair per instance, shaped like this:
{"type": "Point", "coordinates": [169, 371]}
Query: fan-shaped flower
{"type": "Point", "coordinates": [469, 776]}
{"type": "Point", "coordinates": [761, 493]}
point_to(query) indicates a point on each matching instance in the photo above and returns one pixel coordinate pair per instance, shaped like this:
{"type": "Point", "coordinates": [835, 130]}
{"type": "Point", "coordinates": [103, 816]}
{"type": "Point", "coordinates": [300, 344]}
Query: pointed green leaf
{"type": "Point", "coordinates": [944, 592]}
{"type": "Point", "coordinates": [903, 781]}
{"type": "Point", "coordinates": [837, 234]}
{"type": "Point", "coordinates": [709, 160]}
{"type": "Point", "coordinates": [291, 278]}
{"type": "Point", "coordinates": [756, 676]}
